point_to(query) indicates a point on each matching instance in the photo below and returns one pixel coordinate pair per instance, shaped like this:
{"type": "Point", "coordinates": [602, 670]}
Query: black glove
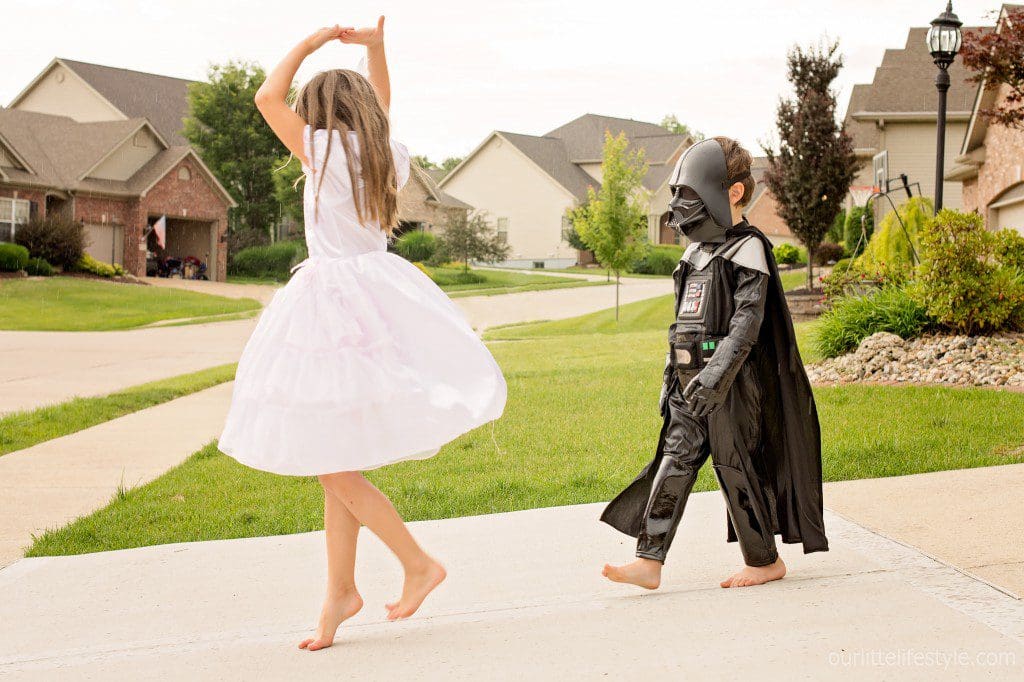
{"type": "Point", "coordinates": [701, 399]}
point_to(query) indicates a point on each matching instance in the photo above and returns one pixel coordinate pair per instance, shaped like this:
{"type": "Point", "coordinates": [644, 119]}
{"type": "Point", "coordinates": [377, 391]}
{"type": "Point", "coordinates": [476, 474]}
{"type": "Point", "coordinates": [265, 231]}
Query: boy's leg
{"type": "Point", "coordinates": [684, 452]}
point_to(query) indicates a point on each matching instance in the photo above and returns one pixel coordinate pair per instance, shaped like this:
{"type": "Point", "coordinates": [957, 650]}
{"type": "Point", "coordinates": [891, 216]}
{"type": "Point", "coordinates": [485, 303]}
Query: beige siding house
{"type": "Point", "coordinates": [892, 121]}
{"type": "Point", "coordinates": [525, 183]}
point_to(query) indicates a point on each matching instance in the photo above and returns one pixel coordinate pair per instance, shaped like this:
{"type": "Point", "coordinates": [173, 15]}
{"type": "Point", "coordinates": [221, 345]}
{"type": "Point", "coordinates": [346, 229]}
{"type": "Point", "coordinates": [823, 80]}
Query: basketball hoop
{"type": "Point", "coordinates": [860, 193]}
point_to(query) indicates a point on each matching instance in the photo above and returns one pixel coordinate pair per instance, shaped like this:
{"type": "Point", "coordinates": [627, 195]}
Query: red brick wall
{"type": "Point", "coordinates": [1003, 166]}
{"type": "Point", "coordinates": [195, 199]}
{"type": "Point", "coordinates": [765, 217]}
{"type": "Point", "coordinates": [8, 191]}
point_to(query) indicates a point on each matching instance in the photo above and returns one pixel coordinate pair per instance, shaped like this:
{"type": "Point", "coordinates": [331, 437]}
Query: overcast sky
{"type": "Point", "coordinates": [461, 69]}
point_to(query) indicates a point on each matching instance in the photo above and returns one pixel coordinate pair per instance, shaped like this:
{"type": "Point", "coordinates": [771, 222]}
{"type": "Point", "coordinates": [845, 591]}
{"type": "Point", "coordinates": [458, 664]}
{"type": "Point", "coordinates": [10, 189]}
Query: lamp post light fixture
{"type": "Point", "coordinates": [944, 39]}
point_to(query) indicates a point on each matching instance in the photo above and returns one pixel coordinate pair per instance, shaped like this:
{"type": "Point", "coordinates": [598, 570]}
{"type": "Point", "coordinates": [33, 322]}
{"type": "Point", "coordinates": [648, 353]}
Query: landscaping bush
{"type": "Point", "coordinates": [89, 264]}
{"type": "Point", "coordinates": [959, 281]}
{"type": "Point", "coordinates": [854, 318]}
{"type": "Point", "coordinates": [827, 252]}
{"type": "Point", "coordinates": [416, 246]}
{"type": "Point", "coordinates": [842, 265]}
{"type": "Point", "coordinates": [13, 257]}
{"type": "Point", "coordinates": [268, 262]}
{"type": "Point", "coordinates": [786, 254]}
{"type": "Point", "coordinates": [241, 239]}
{"type": "Point", "coordinates": [659, 260]}
{"type": "Point", "coordinates": [837, 231]}
{"type": "Point", "coordinates": [56, 240]}
{"type": "Point", "coordinates": [37, 267]}
{"type": "Point", "coordinates": [889, 243]}
{"type": "Point", "coordinates": [852, 227]}
{"type": "Point", "coordinates": [853, 278]}
{"type": "Point", "coordinates": [1009, 248]}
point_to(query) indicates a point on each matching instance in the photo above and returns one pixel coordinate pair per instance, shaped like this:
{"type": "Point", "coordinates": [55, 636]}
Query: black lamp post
{"type": "Point", "coordinates": [943, 40]}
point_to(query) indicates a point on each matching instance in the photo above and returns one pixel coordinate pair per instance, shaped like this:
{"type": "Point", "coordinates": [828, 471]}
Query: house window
{"type": "Point", "coordinates": [184, 173]}
{"type": "Point", "coordinates": [13, 212]}
{"type": "Point", "coordinates": [503, 230]}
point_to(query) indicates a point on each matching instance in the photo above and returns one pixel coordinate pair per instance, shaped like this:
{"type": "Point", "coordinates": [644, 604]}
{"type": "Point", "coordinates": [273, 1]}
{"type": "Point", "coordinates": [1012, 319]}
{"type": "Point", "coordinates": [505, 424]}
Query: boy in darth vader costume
{"type": "Point", "coordinates": [734, 388]}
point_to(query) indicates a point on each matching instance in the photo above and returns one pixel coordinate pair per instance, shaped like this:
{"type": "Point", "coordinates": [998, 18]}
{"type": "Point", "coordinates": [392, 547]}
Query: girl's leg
{"type": "Point", "coordinates": [371, 507]}
{"type": "Point", "coordinates": [342, 600]}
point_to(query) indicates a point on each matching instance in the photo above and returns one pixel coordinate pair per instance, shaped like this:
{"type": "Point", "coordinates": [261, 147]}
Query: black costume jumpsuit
{"type": "Point", "coordinates": [719, 309]}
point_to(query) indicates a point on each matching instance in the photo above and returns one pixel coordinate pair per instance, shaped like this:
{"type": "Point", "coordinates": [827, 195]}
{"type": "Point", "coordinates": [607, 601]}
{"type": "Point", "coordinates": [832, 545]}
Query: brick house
{"type": "Point", "coordinates": [990, 163]}
{"type": "Point", "coordinates": [103, 146]}
{"type": "Point", "coordinates": [422, 205]}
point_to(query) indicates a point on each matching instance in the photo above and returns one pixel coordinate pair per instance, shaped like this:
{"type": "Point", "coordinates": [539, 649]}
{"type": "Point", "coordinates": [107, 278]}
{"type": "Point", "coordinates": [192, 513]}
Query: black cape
{"type": "Point", "coordinates": [791, 436]}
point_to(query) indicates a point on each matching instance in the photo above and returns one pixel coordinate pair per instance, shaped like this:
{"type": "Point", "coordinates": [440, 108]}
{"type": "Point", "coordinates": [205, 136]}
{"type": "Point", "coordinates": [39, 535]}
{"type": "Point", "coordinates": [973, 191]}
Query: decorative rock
{"type": "Point", "coordinates": [935, 359]}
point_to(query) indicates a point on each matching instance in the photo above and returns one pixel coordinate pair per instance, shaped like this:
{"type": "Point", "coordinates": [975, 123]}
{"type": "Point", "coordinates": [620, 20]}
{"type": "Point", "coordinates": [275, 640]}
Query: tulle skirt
{"type": "Point", "coordinates": [356, 363]}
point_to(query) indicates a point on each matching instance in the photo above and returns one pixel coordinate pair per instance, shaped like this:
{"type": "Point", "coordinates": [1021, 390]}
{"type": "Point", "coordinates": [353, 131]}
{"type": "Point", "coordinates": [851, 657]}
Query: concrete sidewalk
{"type": "Point", "coordinates": [52, 483]}
{"type": "Point", "coordinates": [524, 600]}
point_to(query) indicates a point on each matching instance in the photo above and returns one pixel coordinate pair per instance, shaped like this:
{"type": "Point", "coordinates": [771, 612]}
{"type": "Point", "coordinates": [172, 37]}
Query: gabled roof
{"type": "Point", "coordinates": [161, 99]}
{"type": "Point", "coordinates": [428, 176]}
{"type": "Point", "coordinates": [59, 153]}
{"type": "Point", "coordinates": [560, 152]}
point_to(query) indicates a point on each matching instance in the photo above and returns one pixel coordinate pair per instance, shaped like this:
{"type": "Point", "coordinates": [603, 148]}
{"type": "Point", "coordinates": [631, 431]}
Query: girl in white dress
{"type": "Point", "coordinates": [360, 360]}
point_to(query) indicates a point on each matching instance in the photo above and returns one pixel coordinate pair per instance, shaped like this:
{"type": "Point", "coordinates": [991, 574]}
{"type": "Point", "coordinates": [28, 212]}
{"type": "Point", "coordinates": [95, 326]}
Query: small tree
{"type": "Point", "coordinates": [672, 124]}
{"type": "Point", "coordinates": [613, 222]}
{"type": "Point", "coordinates": [469, 237]}
{"type": "Point", "coordinates": [812, 170]}
{"type": "Point", "coordinates": [227, 130]}
{"type": "Point", "coordinates": [288, 187]}
{"type": "Point", "coordinates": [996, 58]}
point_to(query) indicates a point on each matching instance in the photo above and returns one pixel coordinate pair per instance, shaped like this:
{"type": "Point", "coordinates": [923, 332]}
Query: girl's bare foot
{"type": "Point", "coordinates": [756, 575]}
{"type": "Point", "coordinates": [418, 584]}
{"type": "Point", "coordinates": [336, 609]}
{"type": "Point", "coordinates": [645, 573]}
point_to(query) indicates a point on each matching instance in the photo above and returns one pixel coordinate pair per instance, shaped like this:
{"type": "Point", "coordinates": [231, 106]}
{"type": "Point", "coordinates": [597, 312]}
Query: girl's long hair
{"type": "Point", "coordinates": [343, 100]}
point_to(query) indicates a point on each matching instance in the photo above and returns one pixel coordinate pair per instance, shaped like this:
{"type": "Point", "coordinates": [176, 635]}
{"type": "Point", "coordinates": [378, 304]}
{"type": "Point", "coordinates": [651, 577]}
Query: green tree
{"type": "Point", "coordinates": [812, 170]}
{"type": "Point", "coordinates": [288, 183]}
{"type": "Point", "coordinates": [672, 124]}
{"type": "Point", "coordinates": [450, 163]}
{"type": "Point", "coordinates": [613, 221]}
{"type": "Point", "coordinates": [423, 162]}
{"type": "Point", "coordinates": [469, 237]}
{"type": "Point", "coordinates": [233, 140]}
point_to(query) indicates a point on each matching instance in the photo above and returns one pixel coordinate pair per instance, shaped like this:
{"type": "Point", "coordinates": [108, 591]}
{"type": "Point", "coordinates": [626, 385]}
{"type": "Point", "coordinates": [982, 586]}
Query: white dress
{"type": "Point", "coordinates": [360, 360]}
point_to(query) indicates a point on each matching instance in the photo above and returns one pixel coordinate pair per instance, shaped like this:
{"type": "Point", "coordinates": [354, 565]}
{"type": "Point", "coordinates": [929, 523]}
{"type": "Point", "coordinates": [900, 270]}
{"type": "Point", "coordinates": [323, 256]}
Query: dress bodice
{"type": "Point", "coordinates": [332, 227]}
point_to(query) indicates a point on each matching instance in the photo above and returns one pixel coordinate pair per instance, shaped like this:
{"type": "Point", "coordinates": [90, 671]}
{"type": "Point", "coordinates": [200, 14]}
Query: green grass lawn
{"type": "Point", "coordinates": [581, 421]}
{"type": "Point", "coordinates": [498, 282]}
{"type": "Point", "coordinates": [20, 430]}
{"type": "Point", "coordinates": [76, 304]}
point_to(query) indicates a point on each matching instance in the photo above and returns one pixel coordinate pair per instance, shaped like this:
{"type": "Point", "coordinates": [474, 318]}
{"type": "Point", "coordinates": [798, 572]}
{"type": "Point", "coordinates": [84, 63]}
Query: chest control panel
{"type": "Point", "coordinates": [693, 297]}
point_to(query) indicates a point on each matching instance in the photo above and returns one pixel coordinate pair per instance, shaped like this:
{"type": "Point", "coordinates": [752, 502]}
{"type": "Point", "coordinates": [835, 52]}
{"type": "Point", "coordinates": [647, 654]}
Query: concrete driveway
{"type": "Point", "coordinates": [524, 600]}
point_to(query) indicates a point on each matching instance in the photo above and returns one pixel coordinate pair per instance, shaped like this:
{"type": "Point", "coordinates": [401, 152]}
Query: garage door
{"type": "Point", "coordinates": [1008, 211]}
{"type": "Point", "coordinates": [105, 243]}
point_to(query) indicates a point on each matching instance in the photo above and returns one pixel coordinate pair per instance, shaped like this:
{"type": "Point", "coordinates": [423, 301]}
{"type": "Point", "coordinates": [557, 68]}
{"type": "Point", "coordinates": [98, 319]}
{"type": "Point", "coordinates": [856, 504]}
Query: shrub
{"type": "Point", "coordinates": [786, 254]}
{"type": "Point", "coordinates": [837, 230]}
{"type": "Point", "coordinates": [56, 240]}
{"type": "Point", "coordinates": [852, 227]}
{"type": "Point", "coordinates": [889, 243]}
{"type": "Point", "coordinates": [959, 281]}
{"type": "Point", "coordinates": [416, 246]}
{"type": "Point", "coordinates": [89, 264]}
{"type": "Point", "coordinates": [244, 238]}
{"type": "Point", "coordinates": [1009, 248]}
{"type": "Point", "coordinates": [854, 318]}
{"type": "Point", "coordinates": [268, 262]}
{"type": "Point", "coordinates": [13, 257]}
{"type": "Point", "coordinates": [827, 252]}
{"type": "Point", "coordinates": [659, 260]}
{"type": "Point", "coordinates": [37, 267]}
{"type": "Point", "coordinates": [853, 278]}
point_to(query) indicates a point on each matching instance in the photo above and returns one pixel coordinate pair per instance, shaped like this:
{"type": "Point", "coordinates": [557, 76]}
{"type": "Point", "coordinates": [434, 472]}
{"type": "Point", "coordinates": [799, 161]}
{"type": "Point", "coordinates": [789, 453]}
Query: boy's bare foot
{"type": "Point", "coordinates": [336, 609]}
{"type": "Point", "coordinates": [418, 584]}
{"type": "Point", "coordinates": [645, 573]}
{"type": "Point", "coordinates": [756, 575]}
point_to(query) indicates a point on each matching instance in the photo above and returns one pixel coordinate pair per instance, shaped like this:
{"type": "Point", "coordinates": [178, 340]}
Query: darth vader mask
{"type": "Point", "coordinates": [700, 193]}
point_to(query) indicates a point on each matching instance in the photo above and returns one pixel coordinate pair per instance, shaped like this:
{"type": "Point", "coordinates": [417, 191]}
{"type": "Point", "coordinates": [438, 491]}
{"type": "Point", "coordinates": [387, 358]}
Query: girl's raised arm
{"type": "Point", "coordinates": [272, 97]}
{"type": "Point", "coordinates": [376, 62]}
